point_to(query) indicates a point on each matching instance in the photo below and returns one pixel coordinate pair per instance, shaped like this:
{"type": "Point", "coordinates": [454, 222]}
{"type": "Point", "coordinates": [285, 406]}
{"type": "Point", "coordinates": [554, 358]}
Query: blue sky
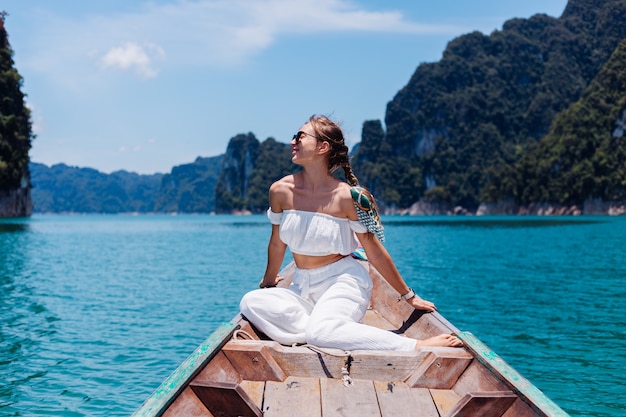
{"type": "Point", "coordinates": [147, 85]}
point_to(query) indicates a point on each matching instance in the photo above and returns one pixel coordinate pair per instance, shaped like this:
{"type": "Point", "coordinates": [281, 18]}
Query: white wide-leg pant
{"type": "Point", "coordinates": [322, 307]}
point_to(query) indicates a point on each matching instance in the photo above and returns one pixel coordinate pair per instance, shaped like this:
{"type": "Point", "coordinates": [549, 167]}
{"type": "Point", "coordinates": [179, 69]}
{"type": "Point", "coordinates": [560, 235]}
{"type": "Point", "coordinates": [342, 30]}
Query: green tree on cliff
{"type": "Point", "coordinates": [15, 125]}
{"type": "Point", "coordinates": [584, 154]}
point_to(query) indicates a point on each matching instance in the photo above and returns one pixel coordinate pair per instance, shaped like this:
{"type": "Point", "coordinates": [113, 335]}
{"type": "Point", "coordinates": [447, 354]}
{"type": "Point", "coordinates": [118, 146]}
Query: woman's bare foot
{"type": "Point", "coordinates": [441, 340]}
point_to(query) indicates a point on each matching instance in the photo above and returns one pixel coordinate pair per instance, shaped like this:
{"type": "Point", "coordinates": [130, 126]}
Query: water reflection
{"type": "Point", "coordinates": [11, 227]}
{"type": "Point", "coordinates": [24, 321]}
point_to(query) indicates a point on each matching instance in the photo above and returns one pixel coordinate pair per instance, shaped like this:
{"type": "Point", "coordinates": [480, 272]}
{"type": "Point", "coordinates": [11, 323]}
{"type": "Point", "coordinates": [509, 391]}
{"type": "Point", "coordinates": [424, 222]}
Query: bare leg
{"type": "Point", "coordinates": [441, 340]}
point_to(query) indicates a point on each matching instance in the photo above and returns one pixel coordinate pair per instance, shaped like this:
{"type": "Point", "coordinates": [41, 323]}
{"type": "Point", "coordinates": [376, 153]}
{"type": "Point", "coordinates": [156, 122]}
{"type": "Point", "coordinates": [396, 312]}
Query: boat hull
{"type": "Point", "coordinates": [238, 371]}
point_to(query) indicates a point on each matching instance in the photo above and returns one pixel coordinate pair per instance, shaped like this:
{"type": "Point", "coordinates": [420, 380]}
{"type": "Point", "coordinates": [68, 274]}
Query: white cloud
{"type": "Point", "coordinates": [134, 57]}
{"type": "Point", "coordinates": [204, 33]}
{"type": "Point", "coordinates": [227, 32]}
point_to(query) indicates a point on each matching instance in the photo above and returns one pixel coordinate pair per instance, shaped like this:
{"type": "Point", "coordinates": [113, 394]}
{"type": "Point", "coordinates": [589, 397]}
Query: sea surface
{"type": "Point", "coordinates": [95, 311]}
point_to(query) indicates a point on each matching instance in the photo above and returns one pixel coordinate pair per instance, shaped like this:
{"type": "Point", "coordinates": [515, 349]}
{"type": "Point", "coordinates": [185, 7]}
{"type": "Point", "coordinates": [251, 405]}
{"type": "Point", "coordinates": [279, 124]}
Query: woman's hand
{"type": "Point", "coordinates": [269, 284]}
{"type": "Point", "coordinates": [420, 304]}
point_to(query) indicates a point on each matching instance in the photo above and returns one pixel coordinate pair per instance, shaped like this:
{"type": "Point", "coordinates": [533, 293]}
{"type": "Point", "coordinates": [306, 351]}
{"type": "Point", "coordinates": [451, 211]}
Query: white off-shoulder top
{"type": "Point", "coordinates": [316, 234]}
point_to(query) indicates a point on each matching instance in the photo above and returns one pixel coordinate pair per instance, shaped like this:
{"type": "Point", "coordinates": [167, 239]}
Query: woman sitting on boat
{"type": "Point", "coordinates": [322, 220]}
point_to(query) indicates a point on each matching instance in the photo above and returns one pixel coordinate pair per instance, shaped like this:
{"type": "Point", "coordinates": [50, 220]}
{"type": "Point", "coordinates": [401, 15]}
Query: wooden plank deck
{"type": "Point", "coordinates": [315, 397]}
{"type": "Point", "coordinates": [295, 393]}
{"type": "Point", "coordinates": [269, 390]}
{"type": "Point", "coordinates": [398, 399]}
{"type": "Point", "coordinates": [263, 378]}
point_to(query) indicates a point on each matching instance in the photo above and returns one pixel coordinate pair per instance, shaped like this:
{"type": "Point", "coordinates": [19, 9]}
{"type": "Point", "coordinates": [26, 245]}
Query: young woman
{"type": "Point", "coordinates": [314, 215]}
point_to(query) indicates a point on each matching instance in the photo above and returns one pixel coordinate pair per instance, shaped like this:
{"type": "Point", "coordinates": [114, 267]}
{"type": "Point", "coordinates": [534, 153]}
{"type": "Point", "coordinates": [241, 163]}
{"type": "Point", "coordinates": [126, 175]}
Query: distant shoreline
{"type": "Point", "coordinates": [591, 207]}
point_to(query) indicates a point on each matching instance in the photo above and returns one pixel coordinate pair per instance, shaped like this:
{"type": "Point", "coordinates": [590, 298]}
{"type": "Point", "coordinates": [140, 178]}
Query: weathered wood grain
{"type": "Point", "coordinates": [218, 370]}
{"type": "Point", "coordinates": [444, 399]}
{"type": "Point", "coordinates": [478, 378]}
{"type": "Point", "coordinates": [294, 396]}
{"type": "Point", "coordinates": [224, 399]}
{"type": "Point", "coordinates": [327, 363]}
{"type": "Point", "coordinates": [397, 399]}
{"type": "Point", "coordinates": [187, 404]}
{"type": "Point", "coordinates": [253, 361]}
{"type": "Point", "coordinates": [356, 400]}
{"type": "Point", "coordinates": [255, 390]}
{"type": "Point", "coordinates": [483, 404]}
{"type": "Point", "coordinates": [219, 388]}
{"type": "Point", "coordinates": [520, 409]}
{"type": "Point", "coordinates": [441, 368]}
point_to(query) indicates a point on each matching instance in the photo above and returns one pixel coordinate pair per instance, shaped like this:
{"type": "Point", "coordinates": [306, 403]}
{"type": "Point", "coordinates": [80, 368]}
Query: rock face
{"type": "Point", "coordinates": [249, 168]}
{"type": "Point", "coordinates": [589, 207]}
{"type": "Point", "coordinates": [16, 202]}
{"type": "Point", "coordinates": [612, 208]}
{"type": "Point", "coordinates": [232, 187]}
{"type": "Point", "coordinates": [15, 135]}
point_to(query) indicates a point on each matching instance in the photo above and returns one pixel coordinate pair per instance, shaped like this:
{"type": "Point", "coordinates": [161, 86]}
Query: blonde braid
{"type": "Point", "coordinates": [350, 177]}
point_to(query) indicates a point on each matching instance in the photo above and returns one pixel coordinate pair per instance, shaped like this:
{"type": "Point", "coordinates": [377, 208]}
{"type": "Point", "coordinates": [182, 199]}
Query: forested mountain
{"type": "Point", "coordinates": [528, 117]}
{"type": "Point", "coordinates": [583, 157]}
{"type": "Point", "coordinates": [462, 121]}
{"type": "Point", "coordinates": [240, 179]}
{"type": "Point", "coordinates": [65, 189]}
{"type": "Point", "coordinates": [15, 136]}
{"type": "Point", "coordinates": [190, 188]}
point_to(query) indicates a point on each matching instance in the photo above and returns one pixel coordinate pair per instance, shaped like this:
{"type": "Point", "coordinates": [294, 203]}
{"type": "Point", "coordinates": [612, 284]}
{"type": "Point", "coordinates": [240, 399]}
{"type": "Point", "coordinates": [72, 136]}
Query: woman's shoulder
{"type": "Point", "coordinates": [285, 183]}
{"type": "Point", "coordinates": [281, 192]}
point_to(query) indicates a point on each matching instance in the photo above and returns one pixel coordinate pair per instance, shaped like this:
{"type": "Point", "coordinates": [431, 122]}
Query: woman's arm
{"type": "Point", "coordinates": [275, 248]}
{"type": "Point", "coordinates": [275, 255]}
{"type": "Point", "coordinates": [381, 260]}
{"type": "Point", "coordinates": [378, 255]}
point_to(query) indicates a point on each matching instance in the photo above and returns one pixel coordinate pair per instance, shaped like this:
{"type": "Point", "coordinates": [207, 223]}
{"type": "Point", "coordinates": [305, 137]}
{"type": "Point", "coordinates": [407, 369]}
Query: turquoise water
{"type": "Point", "coordinates": [95, 311]}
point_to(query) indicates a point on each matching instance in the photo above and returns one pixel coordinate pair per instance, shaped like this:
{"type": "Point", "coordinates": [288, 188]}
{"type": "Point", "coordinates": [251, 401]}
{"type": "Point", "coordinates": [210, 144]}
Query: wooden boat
{"type": "Point", "coordinates": [237, 371]}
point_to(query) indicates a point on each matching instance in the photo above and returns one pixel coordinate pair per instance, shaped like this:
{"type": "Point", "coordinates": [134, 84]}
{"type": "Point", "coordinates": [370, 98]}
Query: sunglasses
{"type": "Point", "coordinates": [298, 136]}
